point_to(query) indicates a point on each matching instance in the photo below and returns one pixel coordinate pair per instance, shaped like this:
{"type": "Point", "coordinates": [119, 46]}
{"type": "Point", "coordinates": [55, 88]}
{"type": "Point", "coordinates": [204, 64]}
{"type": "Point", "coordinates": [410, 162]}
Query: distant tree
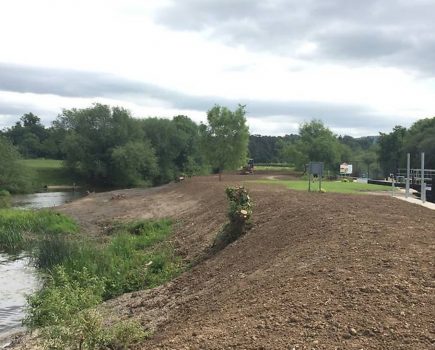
{"type": "Point", "coordinates": [266, 149]}
{"type": "Point", "coordinates": [27, 135]}
{"type": "Point", "coordinates": [420, 137]}
{"type": "Point", "coordinates": [97, 142]}
{"type": "Point", "coordinates": [134, 164]}
{"type": "Point", "coordinates": [190, 160]}
{"type": "Point", "coordinates": [167, 143]}
{"type": "Point", "coordinates": [391, 150]}
{"type": "Point", "coordinates": [225, 138]}
{"type": "Point", "coordinates": [14, 177]}
{"type": "Point", "coordinates": [315, 143]}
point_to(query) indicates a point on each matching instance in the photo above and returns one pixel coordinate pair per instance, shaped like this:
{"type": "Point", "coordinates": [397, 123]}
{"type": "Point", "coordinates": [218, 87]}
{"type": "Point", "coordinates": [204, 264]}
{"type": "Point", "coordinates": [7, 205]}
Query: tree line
{"type": "Point", "coordinates": [394, 146]}
{"type": "Point", "coordinates": [106, 146]}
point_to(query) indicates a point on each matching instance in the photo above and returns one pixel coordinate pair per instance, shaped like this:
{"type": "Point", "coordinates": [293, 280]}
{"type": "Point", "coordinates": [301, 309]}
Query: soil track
{"type": "Point", "coordinates": [316, 271]}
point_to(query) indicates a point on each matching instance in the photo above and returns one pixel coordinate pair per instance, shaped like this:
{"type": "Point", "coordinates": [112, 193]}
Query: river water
{"type": "Point", "coordinates": [18, 277]}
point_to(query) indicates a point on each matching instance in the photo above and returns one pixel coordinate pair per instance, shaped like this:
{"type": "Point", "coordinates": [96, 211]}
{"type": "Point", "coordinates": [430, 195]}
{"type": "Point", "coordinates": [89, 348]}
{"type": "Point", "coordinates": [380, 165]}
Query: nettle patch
{"type": "Point", "coordinates": [239, 214]}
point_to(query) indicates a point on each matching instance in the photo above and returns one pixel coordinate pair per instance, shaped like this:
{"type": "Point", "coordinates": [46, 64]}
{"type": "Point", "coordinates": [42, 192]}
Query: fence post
{"type": "Point", "coordinates": [408, 167]}
{"type": "Point", "coordinates": [423, 187]}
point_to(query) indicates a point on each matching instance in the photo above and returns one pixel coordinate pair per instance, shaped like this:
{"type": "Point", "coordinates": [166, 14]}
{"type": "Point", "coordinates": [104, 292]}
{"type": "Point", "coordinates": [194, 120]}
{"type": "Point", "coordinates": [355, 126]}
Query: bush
{"type": "Point", "coordinates": [87, 330]}
{"type": "Point", "coordinates": [239, 214]}
{"type": "Point", "coordinates": [63, 295]}
{"type": "Point", "coordinates": [19, 228]}
{"type": "Point", "coordinates": [5, 199]}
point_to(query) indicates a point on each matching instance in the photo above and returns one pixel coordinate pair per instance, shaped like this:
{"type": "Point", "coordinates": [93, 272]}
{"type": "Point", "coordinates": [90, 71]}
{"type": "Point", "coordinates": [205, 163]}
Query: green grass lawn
{"type": "Point", "coordinates": [328, 186]}
{"type": "Point", "coordinates": [273, 168]}
{"type": "Point", "coordinates": [50, 172]}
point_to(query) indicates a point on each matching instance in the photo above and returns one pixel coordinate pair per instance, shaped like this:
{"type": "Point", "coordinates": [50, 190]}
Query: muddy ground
{"type": "Point", "coordinates": [316, 271]}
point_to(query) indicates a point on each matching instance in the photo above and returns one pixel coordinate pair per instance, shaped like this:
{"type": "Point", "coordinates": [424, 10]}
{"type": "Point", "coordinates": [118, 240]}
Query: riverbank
{"type": "Point", "coordinates": [316, 270]}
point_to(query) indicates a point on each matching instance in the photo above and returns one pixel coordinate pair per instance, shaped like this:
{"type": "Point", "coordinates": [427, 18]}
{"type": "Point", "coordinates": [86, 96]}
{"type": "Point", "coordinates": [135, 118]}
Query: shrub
{"type": "Point", "coordinates": [19, 228]}
{"type": "Point", "coordinates": [5, 199]}
{"type": "Point", "coordinates": [63, 295]}
{"type": "Point", "coordinates": [87, 330]}
{"type": "Point", "coordinates": [239, 214]}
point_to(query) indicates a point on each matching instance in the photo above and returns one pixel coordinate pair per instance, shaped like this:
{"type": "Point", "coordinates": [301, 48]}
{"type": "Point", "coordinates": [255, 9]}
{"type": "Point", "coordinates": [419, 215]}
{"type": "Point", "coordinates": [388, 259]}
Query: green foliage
{"type": "Point", "coordinates": [239, 214]}
{"type": "Point", "coordinates": [83, 274]}
{"type": "Point", "coordinates": [225, 138]}
{"type": "Point", "coordinates": [420, 137]}
{"type": "Point", "coordinates": [5, 199]}
{"type": "Point", "coordinates": [134, 164]}
{"type": "Point", "coordinates": [28, 136]}
{"type": "Point", "coordinates": [177, 146]}
{"type": "Point", "coordinates": [87, 330]}
{"type": "Point", "coordinates": [50, 172]}
{"type": "Point", "coordinates": [267, 149]}
{"type": "Point", "coordinates": [316, 143]}
{"type": "Point", "coordinates": [92, 136]}
{"type": "Point", "coordinates": [19, 227]}
{"type": "Point", "coordinates": [391, 150]}
{"type": "Point", "coordinates": [14, 177]}
{"type": "Point", "coordinates": [63, 295]}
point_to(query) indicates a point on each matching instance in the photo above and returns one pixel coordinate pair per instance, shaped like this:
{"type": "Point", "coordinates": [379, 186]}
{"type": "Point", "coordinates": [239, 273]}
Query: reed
{"type": "Point", "coordinates": [20, 228]}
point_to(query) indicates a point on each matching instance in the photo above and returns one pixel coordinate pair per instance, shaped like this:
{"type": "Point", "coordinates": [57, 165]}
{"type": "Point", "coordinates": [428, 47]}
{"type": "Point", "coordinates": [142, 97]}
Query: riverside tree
{"type": "Point", "coordinates": [106, 146]}
{"type": "Point", "coordinates": [225, 138]}
{"type": "Point", "coordinates": [14, 177]}
{"type": "Point", "coordinates": [315, 143]}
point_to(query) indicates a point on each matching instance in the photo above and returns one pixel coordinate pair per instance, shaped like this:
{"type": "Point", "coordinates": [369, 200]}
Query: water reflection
{"type": "Point", "coordinates": [17, 279]}
{"type": "Point", "coordinates": [44, 199]}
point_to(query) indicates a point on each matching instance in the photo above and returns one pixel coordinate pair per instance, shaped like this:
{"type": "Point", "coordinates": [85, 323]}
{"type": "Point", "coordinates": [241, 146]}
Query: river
{"type": "Point", "coordinates": [18, 277]}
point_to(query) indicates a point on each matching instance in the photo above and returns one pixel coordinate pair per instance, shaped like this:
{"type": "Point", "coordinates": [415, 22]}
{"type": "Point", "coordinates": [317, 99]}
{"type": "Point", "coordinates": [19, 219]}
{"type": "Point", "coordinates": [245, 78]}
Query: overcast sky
{"type": "Point", "coordinates": [360, 66]}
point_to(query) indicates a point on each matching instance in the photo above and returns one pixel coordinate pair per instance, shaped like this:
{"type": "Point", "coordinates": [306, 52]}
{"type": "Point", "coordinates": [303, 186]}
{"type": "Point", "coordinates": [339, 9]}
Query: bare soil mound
{"type": "Point", "coordinates": [316, 271]}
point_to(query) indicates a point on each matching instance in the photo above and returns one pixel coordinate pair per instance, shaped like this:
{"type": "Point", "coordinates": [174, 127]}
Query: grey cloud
{"type": "Point", "coordinates": [69, 83]}
{"type": "Point", "coordinates": [384, 32]}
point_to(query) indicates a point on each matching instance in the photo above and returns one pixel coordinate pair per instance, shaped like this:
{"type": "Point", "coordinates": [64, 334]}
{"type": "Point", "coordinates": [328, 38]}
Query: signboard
{"type": "Point", "coordinates": [315, 168]}
{"type": "Point", "coordinates": [346, 169]}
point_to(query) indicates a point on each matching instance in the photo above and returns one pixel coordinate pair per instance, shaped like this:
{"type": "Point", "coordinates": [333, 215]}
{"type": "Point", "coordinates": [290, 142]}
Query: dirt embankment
{"type": "Point", "coordinates": [317, 271]}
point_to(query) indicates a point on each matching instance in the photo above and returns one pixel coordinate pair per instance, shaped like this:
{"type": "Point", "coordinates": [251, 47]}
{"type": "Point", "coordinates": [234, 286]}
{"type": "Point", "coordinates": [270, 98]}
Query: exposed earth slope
{"type": "Point", "coordinates": [316, 271]}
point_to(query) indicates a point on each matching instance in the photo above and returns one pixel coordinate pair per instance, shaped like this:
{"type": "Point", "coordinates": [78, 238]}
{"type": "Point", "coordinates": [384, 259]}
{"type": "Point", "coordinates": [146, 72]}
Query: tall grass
{"type": "Point", "coordinates": [81, 272]}
{"type": "Point", "coordinates": [18, 228]}
{"type": "Point", "coordinates": [136, 257]}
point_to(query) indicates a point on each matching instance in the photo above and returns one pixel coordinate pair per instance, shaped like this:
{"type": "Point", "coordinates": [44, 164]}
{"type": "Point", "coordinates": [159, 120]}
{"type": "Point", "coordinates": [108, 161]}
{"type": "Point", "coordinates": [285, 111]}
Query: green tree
{"type": "Point", "coordinates": [94, 142]}
{"type": "Point", "coordinates": [225, 138]}
{"type": "Point", "coordinates": [27, 135]}
{"type": "Point", "coordinates": [134, 164]}
{"type": "Point", "coordinates": [420, 137]}
{"type": "Point", "coordinates": [14, 177]}
{"type": "Point", "coordinates": [391, 153]}
{"type": "Point", "coordinates": [315, 143]}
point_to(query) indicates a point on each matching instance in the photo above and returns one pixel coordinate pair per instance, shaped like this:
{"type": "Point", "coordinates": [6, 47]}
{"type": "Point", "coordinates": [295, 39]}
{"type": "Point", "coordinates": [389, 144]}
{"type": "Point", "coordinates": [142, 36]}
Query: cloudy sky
{"type": "Point", "coordinates": [360, 66]}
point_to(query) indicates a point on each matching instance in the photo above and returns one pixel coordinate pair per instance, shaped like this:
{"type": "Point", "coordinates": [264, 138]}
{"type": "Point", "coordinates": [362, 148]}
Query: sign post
{"type": "Point", "coordinates": [315, 168]}
{"type": "Point", "coordinates": [423, 185]}
{"type": "Point", "coordinates": [408, 167]}
{"type": "Point", "coordinates": [346, 169]}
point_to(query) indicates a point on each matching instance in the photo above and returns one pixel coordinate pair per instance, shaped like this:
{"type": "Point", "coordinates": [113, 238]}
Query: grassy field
{"type": "Point", "coordinates": [50, 172]}
{"type": "Point", "coordinates": [273, 168]}
{"type": "Point", "coordinates": [328, 186]}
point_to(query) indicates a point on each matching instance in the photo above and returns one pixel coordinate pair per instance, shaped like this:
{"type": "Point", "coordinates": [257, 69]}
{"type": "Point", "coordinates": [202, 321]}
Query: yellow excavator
{"type": "Point", "coordinates": [248, 169]}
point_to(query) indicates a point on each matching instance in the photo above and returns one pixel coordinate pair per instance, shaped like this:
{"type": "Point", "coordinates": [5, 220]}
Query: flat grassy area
{"type": "Point", "coordinates": [328, 186]}
{"type": "Point", "coordinates": [273, 168]}
{"type": "Point", "coordinates": [50, 172]}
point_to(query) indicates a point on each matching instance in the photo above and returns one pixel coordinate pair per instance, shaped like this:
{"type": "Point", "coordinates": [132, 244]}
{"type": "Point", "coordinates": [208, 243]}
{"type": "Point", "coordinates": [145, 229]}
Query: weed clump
{"type": "Point", "coordinates": [239, 215]}
{"type": "Point", "coordinates": [5, 199]}
{"type": "Point", "coordinates": [19, 229]}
